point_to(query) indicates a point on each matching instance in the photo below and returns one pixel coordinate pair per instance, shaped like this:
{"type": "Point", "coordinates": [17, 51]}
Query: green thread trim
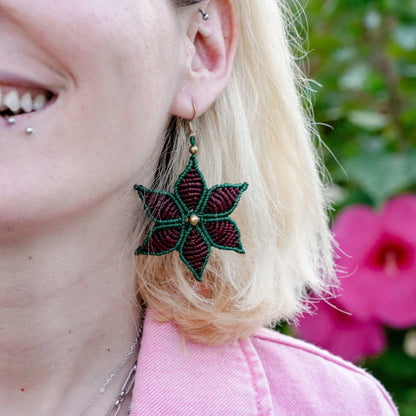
{"type": "Point", "coordinates": [198, 276]}
{"type": "Point", "coordinates": [141, 190]}
{"type": "Point", "coordinates": [238, 249]}
{"type": "Point", "coordinates": [223, 215]}
{"type": "Point", "coordinates": [185, 212]}
{"type": "Point", "coordinates": [156, 228]}
{"type": "Point", "coordinates": [193, 164]}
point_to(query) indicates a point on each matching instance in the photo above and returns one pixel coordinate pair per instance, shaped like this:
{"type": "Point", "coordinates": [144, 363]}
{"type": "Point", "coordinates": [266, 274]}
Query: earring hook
{"type": "Point", "coordinates": [195, 111]}
{"type": "Point", "coordinates": [192, 119]}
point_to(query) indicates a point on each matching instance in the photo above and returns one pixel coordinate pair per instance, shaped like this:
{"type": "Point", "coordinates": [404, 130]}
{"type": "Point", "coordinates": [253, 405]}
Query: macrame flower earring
{"type": "Point", "coordinates": [193, 218]}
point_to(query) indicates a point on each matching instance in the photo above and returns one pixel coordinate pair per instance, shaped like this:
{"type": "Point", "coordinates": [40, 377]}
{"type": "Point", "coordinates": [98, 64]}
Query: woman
{"type": "Point", "coordinates": [96, 96]}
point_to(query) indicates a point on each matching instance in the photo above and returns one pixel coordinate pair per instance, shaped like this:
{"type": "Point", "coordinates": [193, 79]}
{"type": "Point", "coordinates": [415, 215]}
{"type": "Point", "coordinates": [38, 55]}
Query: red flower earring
{"type": "Point", "coordinates": [192, 218]}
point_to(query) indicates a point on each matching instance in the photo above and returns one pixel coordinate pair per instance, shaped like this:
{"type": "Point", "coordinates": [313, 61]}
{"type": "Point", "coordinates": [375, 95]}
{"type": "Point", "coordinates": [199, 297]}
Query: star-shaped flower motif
{"type": "Point", "coordinates": [192, 219]}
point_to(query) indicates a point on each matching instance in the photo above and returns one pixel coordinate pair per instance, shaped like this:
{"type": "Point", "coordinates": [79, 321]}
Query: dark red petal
{"type": "Point", "coordinates": [161, 240]}
{"type": "Point", "coordinates": [191, 187]}
{"type": "Point", "coordinates": [223, 199]}
{"type": "Point", "coordinates": [224, 233]}
{"type": "Point", "coordinates": [161, 206]}
{"type": "Point", "coordinates": [195, 253]}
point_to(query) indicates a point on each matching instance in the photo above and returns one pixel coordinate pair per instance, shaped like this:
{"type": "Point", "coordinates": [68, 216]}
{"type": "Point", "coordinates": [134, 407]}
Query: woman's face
{"type": "Point", "coordinates": [113, 67]}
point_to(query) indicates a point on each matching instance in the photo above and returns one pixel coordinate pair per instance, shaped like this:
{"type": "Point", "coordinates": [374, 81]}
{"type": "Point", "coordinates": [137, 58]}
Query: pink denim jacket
{"type": "Point", "coordinates": [268, 374]}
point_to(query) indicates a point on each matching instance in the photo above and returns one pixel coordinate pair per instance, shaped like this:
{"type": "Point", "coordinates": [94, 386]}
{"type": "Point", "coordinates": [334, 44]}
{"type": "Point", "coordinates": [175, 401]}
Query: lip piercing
{"type": "Point", "coordinates": [12, 120]}
{"type": "Point", "coordinates": [205, 16]}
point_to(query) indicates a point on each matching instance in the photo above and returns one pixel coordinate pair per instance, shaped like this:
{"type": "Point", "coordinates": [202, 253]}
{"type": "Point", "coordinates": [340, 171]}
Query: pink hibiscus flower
{"type": "Point", "coordinates": [341, 333]}
{"type": "Point", "coordinates": [379, 261]}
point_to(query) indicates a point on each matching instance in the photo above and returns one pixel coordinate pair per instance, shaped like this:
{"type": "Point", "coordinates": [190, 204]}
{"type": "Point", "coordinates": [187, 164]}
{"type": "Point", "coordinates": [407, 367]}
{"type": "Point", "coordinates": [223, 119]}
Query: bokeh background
{"type": "Point", "coordinates": [362, 55]}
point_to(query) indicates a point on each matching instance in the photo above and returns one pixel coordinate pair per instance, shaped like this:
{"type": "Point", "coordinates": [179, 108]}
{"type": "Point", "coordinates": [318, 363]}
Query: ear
{"type": "Point", "coordinates": [210, 52]}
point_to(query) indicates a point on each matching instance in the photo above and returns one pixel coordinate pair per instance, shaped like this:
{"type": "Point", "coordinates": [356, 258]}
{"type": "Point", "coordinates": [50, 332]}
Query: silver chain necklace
{"type": "Point", "coordinates": [127, 385]}
{"type": "Point", "coordinates": [124, 393]}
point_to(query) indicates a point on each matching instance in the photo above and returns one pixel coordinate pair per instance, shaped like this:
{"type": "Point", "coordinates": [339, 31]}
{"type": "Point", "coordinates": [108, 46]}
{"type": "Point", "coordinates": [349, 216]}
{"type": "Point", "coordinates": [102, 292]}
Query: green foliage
{"type": "Point", "coordinates": [380, 175]}
{"type": "Point", "coordinates": [397, 372]}
{"type": "Point", "coordinates": [363, 56]}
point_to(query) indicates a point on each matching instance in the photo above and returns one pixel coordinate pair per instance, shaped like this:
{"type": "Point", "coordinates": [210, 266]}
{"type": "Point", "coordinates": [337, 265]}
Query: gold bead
{"type": "Point", "coordinates": [193, 150]}
{"type": "Point", "coordinates": [194, 219]}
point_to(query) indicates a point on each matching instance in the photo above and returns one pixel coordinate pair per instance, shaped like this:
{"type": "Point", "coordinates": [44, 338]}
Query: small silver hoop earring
{"type": "Point", "coordinates": [205, 16]}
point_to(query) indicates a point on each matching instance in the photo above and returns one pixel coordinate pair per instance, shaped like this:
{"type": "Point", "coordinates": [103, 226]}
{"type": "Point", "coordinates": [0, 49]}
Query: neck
{"type": "Point", "coordinates": [68, 314]}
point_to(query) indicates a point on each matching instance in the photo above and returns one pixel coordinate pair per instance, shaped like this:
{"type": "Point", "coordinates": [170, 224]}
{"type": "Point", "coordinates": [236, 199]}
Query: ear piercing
{"type": "Point", "coordinates": [205, 15]}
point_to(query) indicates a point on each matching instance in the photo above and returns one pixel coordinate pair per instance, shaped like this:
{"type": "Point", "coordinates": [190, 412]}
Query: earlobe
{"type": "Point", "coordinates": [208, 69]}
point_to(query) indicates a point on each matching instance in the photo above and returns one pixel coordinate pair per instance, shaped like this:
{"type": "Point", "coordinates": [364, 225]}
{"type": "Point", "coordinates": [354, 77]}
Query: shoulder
{"type": "Point", "coordinates": [314, 382]}
{"type": "Point", "coordinates": [266, 375]}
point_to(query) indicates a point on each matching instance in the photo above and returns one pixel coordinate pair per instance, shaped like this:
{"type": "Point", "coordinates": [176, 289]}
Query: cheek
{"type": "Point", "coordinates": [125, 83]}
{"type": "Point", "coordinates": [106, 129]}
{"type": "Point", "coordinates": [124, 80]}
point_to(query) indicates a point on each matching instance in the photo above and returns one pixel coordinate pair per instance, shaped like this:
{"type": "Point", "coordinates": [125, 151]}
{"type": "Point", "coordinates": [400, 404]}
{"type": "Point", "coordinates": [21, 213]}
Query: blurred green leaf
{"type": "Point", "coordinates": [405, 36]}
{"type": "Point", "coordinates": [368, 120]}
{"type": "Point", "coordinates": [407, 70]}
{"type": "Point", "coordinates": [355, 77]}
{"type": "Point", "coordinates": [397, 365]}
{"type": "Point", "coordinates": [382, 175]}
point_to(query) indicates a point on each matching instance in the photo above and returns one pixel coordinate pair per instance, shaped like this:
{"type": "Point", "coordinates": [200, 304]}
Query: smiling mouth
{"type": "Point", "coordinates": [15, 101]}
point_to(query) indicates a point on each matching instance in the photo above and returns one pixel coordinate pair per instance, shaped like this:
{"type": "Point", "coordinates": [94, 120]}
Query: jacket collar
{"type": "Point", "coordinates": [177, 377]}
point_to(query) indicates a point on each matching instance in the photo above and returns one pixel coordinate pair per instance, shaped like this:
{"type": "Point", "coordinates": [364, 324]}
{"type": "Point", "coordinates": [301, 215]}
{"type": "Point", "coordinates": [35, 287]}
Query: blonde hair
{"type": "Point", "coordinates": [258, 132]}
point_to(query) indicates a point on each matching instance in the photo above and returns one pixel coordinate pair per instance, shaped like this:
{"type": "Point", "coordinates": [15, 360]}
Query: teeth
{"type": "Point", "coordinates": [39, 102]}
{"type": "Point", "coordinates": [25, 103]}
{"type": "Point", "coordinates": [11, 100]}
{"type": "Point", "coordinates": [2, 106]}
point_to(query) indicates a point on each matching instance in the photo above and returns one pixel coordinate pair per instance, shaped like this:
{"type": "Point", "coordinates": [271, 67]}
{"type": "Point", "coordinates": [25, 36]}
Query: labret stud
{"type": "Point", "coordinates": [12, 120]}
